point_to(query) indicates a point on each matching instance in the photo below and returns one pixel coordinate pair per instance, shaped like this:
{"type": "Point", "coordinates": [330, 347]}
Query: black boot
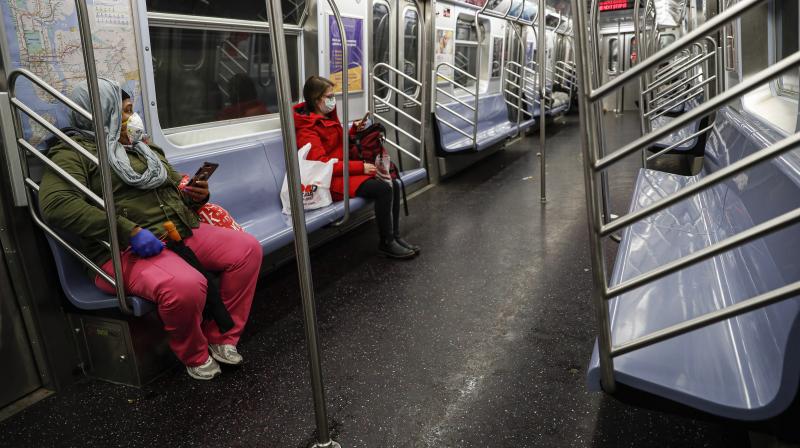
{"type": "Point", "coordinates": [392, 249]}
{"type": "Point", "coordinates": [406, 244]}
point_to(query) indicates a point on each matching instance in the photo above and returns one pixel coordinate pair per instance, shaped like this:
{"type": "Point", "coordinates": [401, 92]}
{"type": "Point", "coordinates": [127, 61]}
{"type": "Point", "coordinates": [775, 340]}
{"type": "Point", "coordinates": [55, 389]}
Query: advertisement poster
{"type": "Point", "coordinates": [497, 57]}
{"type": "Point", "coordinates": [355, 63]}
{"type": "Point", "coordinates": [445, 51]}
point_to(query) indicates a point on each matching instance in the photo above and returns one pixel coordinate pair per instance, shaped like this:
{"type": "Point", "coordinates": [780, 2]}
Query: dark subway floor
{"type": "Point", "coordinates": [481, 341]}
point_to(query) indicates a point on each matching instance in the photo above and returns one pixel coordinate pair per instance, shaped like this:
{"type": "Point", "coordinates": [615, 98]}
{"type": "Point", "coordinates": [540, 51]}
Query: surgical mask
{"type": "Point", "coordinates": [135, 127]}
{"type": "Point", "coordinates": [328, 105]}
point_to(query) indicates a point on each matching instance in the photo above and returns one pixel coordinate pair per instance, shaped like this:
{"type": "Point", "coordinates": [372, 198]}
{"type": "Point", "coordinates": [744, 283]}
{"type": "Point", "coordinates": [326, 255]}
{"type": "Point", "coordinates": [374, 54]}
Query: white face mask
{"type": "Point", "coordinates": [136, 128]}
{"type": "Point", "coordinates": [328, 105]}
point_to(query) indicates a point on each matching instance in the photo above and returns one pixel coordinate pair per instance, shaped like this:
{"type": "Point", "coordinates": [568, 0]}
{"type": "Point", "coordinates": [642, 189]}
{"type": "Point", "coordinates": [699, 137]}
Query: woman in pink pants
{"type": "Point", "coordinates": [146, 195]}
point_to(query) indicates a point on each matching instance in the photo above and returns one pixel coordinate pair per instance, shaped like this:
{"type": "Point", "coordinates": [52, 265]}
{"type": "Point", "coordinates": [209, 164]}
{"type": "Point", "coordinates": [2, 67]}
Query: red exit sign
{"type": "Point", "coordinates": [614, 5]}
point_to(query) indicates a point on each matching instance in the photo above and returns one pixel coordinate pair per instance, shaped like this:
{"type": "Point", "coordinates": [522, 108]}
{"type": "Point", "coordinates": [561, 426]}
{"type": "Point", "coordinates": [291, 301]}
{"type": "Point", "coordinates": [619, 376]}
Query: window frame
{"type": "Point", "coordinates": [214, 24]}
{"type": "Point", "coordinates": [390, 76]}
{"type": "Point", "coordinates": [775, 33]}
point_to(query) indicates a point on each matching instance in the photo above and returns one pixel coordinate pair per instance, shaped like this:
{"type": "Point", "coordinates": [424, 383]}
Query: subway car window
{"type": "Point", "coordinates": [239, 9]}
{"type": "Point", "coordinates": [613, 55]}
{"type": "Point", "coordinates": [410, 49]}
{"type": "Point", "coordinates": [786, 12]}
{"type": "Point", "coordinates": [466, 54]}
{"type": "Point", "coordinates": [203, 76]}
{"type": "Point", "coordinates": [381, 43]}
{"type": "Point", "coordinates": [666, 40]}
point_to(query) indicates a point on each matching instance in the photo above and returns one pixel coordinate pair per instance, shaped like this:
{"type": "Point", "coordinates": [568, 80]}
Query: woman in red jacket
{"type": "Point", "coordinates": [316, 122]}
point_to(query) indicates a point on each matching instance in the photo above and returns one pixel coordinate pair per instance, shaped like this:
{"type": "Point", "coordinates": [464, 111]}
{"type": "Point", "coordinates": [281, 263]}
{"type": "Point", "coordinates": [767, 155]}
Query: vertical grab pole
{"type": "Point", "coordinates": [102, 151]}
{"type": "Point", "coordinates": [542, 102]}
{"type": "Point", "coordinates": [640, 43]}
{"type": "Point", "coordinates": [345, 116]}
{"type": "Point", "coordinates": [279, 58]}
{"type": "Point", "coordinates": [590, 147]}
{"type": "Point", "coordinates": [477, 79]}
{"type": "Point", "coordinates": [600, 139]}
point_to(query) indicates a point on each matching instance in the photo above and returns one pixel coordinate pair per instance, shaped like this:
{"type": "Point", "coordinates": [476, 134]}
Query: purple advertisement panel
{"type": "Point", "coordinates": [355, 65]}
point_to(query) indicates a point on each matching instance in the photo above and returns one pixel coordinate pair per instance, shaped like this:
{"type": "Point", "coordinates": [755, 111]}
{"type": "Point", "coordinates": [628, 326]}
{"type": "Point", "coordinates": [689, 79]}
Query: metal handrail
{"type": "Point", "coordinates": [106, 203]}
{"type": "Point", "coordinates": [682, 141]}
{"type": "Point", "coordinates": [386, 102]}
{"type": "Point", "coordinates": [473, 93]}
{"type": "Point", "coordinates": [280, 58]}
{"type": "Point", "coordinates": [595, 165]}
{"type": "Point", "coordinates": [345, 116]}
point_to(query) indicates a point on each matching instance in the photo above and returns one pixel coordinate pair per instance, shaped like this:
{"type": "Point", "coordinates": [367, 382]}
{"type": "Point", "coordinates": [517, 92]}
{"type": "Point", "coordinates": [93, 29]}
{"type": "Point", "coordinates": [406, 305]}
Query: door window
{"type": "Point", "coordinates": [381, 41]}
{"type": "Point", "coordinates": [410, 50]}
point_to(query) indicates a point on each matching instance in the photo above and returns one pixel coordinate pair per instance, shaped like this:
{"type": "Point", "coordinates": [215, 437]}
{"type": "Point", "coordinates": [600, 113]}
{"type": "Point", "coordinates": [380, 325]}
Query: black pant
{"type": "Point", "coordinates": [387, 205]}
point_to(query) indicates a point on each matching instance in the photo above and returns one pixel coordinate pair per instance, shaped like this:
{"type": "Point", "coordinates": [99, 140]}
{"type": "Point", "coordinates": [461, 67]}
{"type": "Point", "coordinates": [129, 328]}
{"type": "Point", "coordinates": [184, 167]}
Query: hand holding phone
{"type": "Point", "coordinates": [203, 173]}
{"type": "Point", "coordinates": [363, 122]}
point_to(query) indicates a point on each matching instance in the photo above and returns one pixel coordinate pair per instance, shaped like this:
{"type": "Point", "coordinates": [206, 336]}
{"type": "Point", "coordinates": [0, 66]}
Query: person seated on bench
{"type": "Point", "coordinates": [316, 123]}
{"type": "Point", "coordinates": [146, 196]}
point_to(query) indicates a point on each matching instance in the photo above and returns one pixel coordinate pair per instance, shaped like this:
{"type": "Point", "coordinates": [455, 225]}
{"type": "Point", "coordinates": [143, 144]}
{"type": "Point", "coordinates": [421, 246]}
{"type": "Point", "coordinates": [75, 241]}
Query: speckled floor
{"type": "Point", "coordinates": [482, 341]}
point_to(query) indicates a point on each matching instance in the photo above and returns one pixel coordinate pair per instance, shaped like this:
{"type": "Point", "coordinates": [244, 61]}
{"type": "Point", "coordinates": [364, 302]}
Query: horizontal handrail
{"type": "Point", "coordinates": [53, 234]}
{"type": "Point", "coordinates": [456, 84]}
{"type": "Point", "coordinates": [759, 231]}
{"type": "Point", "coordinates": [745, 306]}
{"type": "Point", "coordinates": [765, 154]}
{"type": "Point", "coordinates": [673, 100]}
{"type": "Point", "coordinates": [647, 64]}
{"type": "Point", "coordinates": [399, 111]}
{"type": "Point", "coordinates": [680, 84]}
{"type": "Point", "coordinates": [405, 151]}
{"type": "Point", "coordinates": [54, 130]}
{"type": "Point", "coordinates": [396, 71]}
{"type": "Point", "coordinates": [462, 71]}
{"type": "Point", "coordinates": [62, 173]}
{"type": "Point", "coordinates": [690, 95]}
{"type": "Point", "coordinates": [682, 68]}
{"type": "Point", "coordinates": [454, 98]}
{"type": "Point", "coordinates": [706, 108]}
{"type": "Point", "coordinates": [397, 91]}
{"type": "Point", "coordinates": [456, 114]}
{"type": "Point", "coordinates": [30, 76]}
{"type": "Point", "coordinates": [446, 123]}
{"type": "Point", "coordinates": [682, 141]}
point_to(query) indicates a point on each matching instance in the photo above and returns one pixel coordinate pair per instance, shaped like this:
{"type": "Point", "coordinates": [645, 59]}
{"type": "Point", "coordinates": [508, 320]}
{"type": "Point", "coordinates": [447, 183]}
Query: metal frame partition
{"type": "Point", "coordinates": [388, 103]}
{"type": "Point", "coordinates": [595, 164]}
{"type": "Point", "coordinates": [106, 202]}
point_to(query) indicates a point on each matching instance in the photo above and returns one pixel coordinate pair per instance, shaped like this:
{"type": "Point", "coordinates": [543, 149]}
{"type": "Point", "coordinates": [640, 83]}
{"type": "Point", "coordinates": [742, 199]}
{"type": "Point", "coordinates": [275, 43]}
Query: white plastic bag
{"type": "Point", "coordinates": [315, 178]}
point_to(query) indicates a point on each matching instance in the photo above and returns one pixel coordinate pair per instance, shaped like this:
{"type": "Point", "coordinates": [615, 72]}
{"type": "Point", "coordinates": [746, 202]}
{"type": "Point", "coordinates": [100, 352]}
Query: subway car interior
{"type": "Point", "coordinates": [605, 247]}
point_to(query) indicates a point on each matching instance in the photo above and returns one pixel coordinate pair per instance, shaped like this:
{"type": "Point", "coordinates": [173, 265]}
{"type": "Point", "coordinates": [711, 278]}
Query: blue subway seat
{"type": "Point", "coordinates": [247, 184]}
{"type": "Point", "coordinates": [493, 125]}
{"type": "Point", "coordinates": [744, 368]}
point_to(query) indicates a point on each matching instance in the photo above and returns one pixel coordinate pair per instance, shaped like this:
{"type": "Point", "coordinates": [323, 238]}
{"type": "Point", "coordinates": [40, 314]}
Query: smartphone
{"type": "Point", "coordinates": [366, 115]}
{"type": "Point", "coordinates": [203, 173]}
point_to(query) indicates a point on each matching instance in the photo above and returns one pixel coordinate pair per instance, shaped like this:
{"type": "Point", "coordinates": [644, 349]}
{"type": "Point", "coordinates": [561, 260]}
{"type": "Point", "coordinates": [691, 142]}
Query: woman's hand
{"type": "Point", "coordinates": [369, 169]}
{"type": "Point", "coordinates": [198, 192]}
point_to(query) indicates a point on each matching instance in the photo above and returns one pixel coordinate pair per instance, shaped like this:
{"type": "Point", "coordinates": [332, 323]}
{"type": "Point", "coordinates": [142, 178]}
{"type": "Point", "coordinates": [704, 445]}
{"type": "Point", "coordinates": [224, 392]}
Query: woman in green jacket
{"type": "Point", "coordinates": [146, 194]}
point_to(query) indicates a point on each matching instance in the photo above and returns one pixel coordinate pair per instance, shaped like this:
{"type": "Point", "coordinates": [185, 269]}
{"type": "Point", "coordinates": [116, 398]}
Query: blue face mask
{"type": "Point", "coordinates": [328, 105]}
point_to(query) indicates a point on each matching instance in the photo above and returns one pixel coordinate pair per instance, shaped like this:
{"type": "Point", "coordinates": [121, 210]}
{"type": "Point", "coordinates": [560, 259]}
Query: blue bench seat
{"type": "Point", "coordinates": [744, 368]}
{"type": "Point", "coordinates": [493, 125]}
{"type": "Point", "coordinates": [247, 184]}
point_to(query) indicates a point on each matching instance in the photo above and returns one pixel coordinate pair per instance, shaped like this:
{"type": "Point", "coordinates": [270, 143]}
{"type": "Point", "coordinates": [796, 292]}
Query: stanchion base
{"type": "Point", "coordinates": [331, 444]}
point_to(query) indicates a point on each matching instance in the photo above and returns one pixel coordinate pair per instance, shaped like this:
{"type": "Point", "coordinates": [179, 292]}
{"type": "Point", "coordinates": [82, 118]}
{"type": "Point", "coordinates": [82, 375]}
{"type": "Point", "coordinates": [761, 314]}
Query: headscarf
{"type": "Point", "coordinates": [111, 104]}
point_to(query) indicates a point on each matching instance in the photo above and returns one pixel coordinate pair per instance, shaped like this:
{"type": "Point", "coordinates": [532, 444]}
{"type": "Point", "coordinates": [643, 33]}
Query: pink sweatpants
{"type": "Point", "coordinates": [180, 291]}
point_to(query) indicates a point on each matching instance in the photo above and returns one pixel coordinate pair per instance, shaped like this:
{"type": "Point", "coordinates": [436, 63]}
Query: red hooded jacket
{"type": "Point", "coordinates": [324, 132]}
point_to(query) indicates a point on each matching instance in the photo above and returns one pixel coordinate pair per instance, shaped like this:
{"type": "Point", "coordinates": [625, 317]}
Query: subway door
{"type": "Point", "coordinates": [409, 60]}
{"type": "Point", "coordinates": [611, 68]}
{"type": "Point", "coordinates": [382, 46]}
{"type": "Point", "coordinates": [631, 90]}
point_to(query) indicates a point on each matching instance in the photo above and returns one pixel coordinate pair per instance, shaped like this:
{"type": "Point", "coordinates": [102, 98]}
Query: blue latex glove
{"type": "Point", "coordinates": [145, 244]}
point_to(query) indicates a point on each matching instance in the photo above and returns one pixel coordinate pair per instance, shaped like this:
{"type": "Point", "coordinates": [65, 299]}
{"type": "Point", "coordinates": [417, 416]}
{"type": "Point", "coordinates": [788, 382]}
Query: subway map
{"type": "Point", "coordinates": [43, 37]}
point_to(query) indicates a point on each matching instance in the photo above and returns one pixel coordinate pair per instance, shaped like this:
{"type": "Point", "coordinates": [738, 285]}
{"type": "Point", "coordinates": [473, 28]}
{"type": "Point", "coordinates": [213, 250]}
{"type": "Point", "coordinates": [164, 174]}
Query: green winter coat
{"type": "Point", "coordinates": [65, 207]}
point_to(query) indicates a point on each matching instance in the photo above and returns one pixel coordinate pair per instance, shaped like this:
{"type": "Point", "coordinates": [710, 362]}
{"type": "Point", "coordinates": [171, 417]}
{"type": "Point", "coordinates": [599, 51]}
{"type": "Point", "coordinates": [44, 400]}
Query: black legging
{"type": "Point", "coordinates": [387, 205]}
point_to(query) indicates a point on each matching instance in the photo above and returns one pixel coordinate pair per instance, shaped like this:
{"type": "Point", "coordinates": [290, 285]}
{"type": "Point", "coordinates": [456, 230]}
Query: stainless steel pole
{"type": "Point", "coordinates": [542, 44]}
{"type": "Point", "coordinates": [279, 59]}
{"type": "Point", "coordinates": [345, 105]}
{"type": "Point", "coordinates": [590, 149]}
{"type": "Point", "coordinates": [84, 28]}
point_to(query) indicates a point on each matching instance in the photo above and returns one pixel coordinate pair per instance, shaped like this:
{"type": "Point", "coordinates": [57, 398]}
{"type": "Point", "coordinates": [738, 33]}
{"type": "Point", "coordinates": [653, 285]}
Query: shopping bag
{"type": "Point", "coordinates": [315, 180]}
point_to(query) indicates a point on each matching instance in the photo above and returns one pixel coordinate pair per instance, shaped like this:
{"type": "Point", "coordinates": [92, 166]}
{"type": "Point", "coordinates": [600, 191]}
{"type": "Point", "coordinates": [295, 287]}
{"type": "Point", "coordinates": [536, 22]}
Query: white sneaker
{"type": "Point", "coordinates": [226, 354]}
{"type": "Point", "coordinates": [206, 371]}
